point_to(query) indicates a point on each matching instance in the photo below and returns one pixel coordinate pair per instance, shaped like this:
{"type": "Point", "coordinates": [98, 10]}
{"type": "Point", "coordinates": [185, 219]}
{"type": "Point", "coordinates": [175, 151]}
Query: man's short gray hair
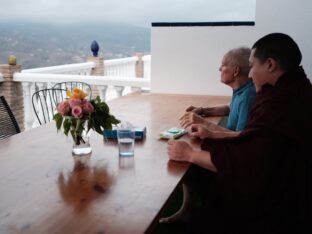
{"type": "Point", "coordinates": [240, 57]}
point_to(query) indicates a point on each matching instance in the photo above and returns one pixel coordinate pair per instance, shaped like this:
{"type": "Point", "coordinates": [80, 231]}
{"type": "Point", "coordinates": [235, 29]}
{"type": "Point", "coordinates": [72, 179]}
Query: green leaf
{"type": "Point", "coordinates": [66, 125]}
{"type": "Point", "coordinates": [74, 136]}
{"type": "Point", "coordinates": [58, 120]}
{"type": "Point", "coordinates": [114, 120]}
{"type": "Point", "coordinates": [78, 125]}
{"type": "Point", "coordinates": [91, 123]}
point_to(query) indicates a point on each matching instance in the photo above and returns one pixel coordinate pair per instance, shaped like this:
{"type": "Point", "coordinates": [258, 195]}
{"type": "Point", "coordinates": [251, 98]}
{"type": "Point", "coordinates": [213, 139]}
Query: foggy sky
{"type": "Point", "coordinates": [137, 12]}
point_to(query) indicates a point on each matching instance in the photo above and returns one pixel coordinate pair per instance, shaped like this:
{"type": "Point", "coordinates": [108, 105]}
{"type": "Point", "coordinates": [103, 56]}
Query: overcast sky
{"type": "Point", "coordinates": [138, 12]}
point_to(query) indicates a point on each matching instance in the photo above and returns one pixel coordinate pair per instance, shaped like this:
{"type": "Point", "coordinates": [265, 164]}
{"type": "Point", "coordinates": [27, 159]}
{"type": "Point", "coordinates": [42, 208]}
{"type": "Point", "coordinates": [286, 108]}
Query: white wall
{"type": "Point", "coordinates": [291, 17]}
{"type": "Point", "coordinates": [186, 59]}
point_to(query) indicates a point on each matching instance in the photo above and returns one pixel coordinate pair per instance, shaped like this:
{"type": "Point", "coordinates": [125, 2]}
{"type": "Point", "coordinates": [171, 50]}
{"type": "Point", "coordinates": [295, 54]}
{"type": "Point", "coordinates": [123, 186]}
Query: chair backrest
{"type": "Point", "coordinates": [45, 101]}
{"type": "Point", "coordinates": [70, 85]}
{"type": "Point", "coordinates": [8, 123]}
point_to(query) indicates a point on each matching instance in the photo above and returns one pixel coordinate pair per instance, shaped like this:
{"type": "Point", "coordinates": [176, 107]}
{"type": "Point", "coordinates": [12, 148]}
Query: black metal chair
{"type": "Point", "coordinates": [44, 103]}
{"type": "Point", "coordinates": [8, 123]}
{"type": "Point", "coordinates": [70, 85]}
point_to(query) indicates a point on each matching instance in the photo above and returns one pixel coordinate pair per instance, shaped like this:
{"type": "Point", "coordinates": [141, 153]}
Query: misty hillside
{"type": "Point", "coordinates": [39, 45]}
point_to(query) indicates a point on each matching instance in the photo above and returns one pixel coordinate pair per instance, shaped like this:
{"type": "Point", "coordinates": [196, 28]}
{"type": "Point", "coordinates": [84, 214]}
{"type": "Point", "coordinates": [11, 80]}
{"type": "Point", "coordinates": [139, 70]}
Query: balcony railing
{"type": "Point", "coordinates": [77, 68]}
{"type": "Point", "coordinates": [124, 67]}
{"type": "Point", "coordinates": [119, 77]}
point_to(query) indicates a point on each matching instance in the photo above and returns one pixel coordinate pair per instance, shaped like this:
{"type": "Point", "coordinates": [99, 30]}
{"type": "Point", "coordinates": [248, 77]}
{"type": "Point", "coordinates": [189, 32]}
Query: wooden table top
{"type": "Point", "coordinates": [44, 189]}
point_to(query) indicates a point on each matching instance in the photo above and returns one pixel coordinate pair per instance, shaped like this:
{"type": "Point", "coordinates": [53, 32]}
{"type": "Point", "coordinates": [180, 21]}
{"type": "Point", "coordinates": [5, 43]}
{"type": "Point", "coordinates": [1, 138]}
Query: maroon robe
{"type": "Point", "coordinates": [264, 177]}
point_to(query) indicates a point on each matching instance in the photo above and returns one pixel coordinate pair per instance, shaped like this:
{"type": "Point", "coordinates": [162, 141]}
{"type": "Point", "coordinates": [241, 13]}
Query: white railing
{"type": "Point", "coordinates": [92, 80]}
{"type": "Point", "coordinates": [77, 68]}
{"type": "Point", "coordinates": [147, 65]}
{"type": "Point", "coordinates": [1, 77]}
{"type": "Point", "coordinates": [33, 81]}
{"type": "Point", "coordinates": [124, 67]}
{"type": "Point", "coordinates": [119, 78]}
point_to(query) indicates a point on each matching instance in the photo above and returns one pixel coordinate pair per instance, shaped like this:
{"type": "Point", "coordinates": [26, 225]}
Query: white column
{"type": "Point", "coordinates": [41, 85]}
{"type": "Point", "coordinates": [119, 90]}
{"type": "Point", "coordinates": [28, 112]}
{"type": "Point", "coordinates": [102, 89]}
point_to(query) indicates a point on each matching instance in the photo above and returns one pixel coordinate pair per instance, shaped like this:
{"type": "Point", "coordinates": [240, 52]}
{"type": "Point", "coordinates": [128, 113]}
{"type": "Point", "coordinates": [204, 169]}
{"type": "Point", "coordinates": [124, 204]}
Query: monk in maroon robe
{"type": "Point", "coordinates": [263, 179]}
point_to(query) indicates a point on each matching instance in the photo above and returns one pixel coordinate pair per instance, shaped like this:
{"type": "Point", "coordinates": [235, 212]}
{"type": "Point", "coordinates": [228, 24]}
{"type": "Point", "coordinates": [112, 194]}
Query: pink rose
{"type": "Point", "coordinates": [88, 107]}
{"type": "Point", "coordinates": [74, 102]}
{"type": "Point", "coordinates": [77, 111]}
{"type": "Point", "coordinates": [63, 107]}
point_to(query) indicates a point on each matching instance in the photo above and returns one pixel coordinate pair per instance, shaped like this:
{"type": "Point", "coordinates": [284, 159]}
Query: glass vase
{"type": "Point", "coordinates": [82, 147]}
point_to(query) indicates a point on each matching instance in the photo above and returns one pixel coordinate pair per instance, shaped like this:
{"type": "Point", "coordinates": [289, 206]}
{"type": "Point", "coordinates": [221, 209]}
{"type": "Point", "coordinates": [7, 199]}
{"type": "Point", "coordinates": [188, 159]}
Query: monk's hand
{"type": "Point", "coordinates": [190, 118]}
{"type": "Point", "coordinates": [201, 131]}
{"type": "Point", "coordinates": [179, 150]}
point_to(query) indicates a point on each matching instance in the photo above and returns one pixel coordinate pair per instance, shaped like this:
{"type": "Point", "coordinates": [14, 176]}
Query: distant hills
{"type": "Point", "coordinates": [40, 45]}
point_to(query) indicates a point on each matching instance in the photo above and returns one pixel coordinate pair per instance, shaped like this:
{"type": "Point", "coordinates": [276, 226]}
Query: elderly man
{"type": "Point", "coordinates": [263, 176]}
{"type": "Point", "coordinates": [234, 73]}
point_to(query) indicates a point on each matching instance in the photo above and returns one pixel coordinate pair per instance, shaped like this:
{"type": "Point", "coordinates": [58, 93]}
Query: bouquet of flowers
{"type": "Point", "coordinates": [77, 114]}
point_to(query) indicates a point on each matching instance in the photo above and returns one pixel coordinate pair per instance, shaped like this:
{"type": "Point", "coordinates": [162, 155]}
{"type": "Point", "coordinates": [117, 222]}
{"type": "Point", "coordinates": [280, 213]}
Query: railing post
{"type": "Point", "coordinates": [139, 66]}
{"type": "Point", "coordinates": [102, 89]}
{"type": "Point", "coordinates": [98, 70]}
{"type": "Point", "coordinates": [13, 91]}
{"type": "Point", "coordinates": [29, 117]}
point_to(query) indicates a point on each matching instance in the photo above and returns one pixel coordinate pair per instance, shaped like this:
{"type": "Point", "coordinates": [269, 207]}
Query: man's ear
{"type": "Point", "coordinates": [272, 65]}
{"type": "Point", "coordinates": [236, 71]}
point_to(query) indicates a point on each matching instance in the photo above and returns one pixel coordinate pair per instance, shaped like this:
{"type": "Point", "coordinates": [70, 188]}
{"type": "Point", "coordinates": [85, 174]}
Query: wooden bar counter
{"type": "Point", "coordinates": [44, 189]}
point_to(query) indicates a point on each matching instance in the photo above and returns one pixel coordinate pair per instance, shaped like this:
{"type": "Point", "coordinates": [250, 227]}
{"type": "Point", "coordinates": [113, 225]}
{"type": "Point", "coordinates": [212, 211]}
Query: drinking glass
{"type": "Point", "coordinates": [126, 139]}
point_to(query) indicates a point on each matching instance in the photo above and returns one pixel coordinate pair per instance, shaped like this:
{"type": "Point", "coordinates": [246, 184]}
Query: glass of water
{"type": "Point", "coordinates": [126, 139]}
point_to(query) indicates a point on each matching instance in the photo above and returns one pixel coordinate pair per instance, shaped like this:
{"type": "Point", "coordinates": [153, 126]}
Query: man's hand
{"type": "Point", "coordinates": [201, 131]}
{"type": "Point", "coordinates": [196, 110]}
{"type": "Point", "coordinates": [190, 118]}
{"type": "Point", "coordinates": [179, 150]}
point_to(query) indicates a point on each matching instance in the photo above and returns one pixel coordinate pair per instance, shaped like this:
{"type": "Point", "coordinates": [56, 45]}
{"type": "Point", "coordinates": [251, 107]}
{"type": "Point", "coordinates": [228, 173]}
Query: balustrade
{"type": "Point", "coordinates": [119, 78]}
{"type": "Point", "coordinates": [124, 67]}
{"type": "Point", "coordinates": [33, 81]}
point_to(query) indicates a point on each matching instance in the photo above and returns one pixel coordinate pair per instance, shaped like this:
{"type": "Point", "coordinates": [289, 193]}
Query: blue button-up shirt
{"type": "Point", "coordinates": [242, 101]}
